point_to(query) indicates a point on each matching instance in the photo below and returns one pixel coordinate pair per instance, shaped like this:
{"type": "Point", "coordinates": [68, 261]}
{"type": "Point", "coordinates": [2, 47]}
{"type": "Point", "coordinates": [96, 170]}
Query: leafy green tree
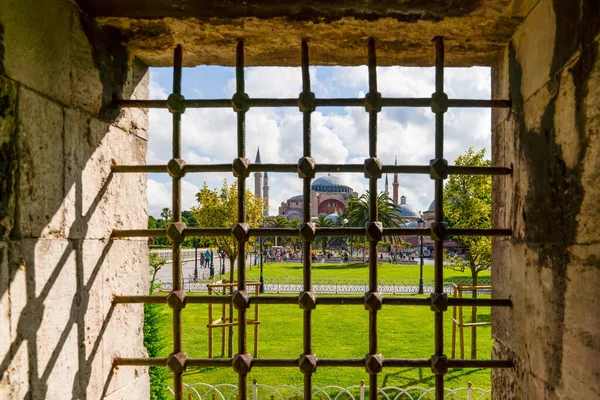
{"type": "Point", "coordinates": [468, 204]}
{"type": "Point", "coordinates": [279, 222]}
{"type": "Point", "coordinates": [323, 221]}
{"type": "Point", "coordinates": [217, 208]}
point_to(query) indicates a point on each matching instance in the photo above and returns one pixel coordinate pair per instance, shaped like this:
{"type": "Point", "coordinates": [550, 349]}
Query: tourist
{"type": "Point", "coordinates": [207, 257]}
{"type": "Point", "coordinates": [202, 260]}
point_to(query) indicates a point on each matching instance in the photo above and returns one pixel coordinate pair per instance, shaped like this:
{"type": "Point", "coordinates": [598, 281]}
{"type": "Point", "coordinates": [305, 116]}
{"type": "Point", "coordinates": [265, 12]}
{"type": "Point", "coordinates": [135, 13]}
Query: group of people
{"type": "Point", "coordinates": [205, 258]}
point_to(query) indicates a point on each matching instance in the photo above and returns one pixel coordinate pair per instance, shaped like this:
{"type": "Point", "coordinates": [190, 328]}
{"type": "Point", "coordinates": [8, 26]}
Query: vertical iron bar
{"type": "Point", "coordinates": [439, 213]}
{"type": "Point", "coordinates": [241, 152]}
{"type": "Point", "coordinates": [372, 65]}
{"type": "Point", "coordinates": [176, 203]}
{"type": "Point", "coordinates": [306, 214]}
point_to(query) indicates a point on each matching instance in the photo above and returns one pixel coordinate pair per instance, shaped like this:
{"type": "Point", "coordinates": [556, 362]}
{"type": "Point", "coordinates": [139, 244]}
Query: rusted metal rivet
{"type": "Point", "coordinates": [373, 168]}
{"type": "Point", "coordinates": [439, 364]}
{"type": "Point", "coordinates": [306, 167]}
{"type": "Point", "coordinates": [438, 168]}
{"type": "Point", "coordinates": [177, 362]}
{"type": "Point", "coordinates": [439, 102]}
{"type": "Point", "coordinates": [240, 167]}
{"type": "Point", "coordinates": [242, 363]}
{"type": "Point", "coordinates": [175, 168]}
{"type": "Point", "coordinates": [307, 231]}
{"type": "Point", "coordinates": [308, 363]}
{"type": "Point", "coordinates": [439, 302]}
{"type": "Point", "coordinates": [175, 232]}
{"type": "Point", "coordinates": [374, 363]}
{"type": "Point", "coordinates": [307, 300]}
{"type": "Point", "coordinates": [176, 103]}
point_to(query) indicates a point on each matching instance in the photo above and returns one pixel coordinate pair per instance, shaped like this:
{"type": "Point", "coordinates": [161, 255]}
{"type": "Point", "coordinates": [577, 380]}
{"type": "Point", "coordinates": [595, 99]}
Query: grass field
{"type": "Point", "coordinates": [338, 332]}
{"type": "Point", "coordinates": [357, 270]}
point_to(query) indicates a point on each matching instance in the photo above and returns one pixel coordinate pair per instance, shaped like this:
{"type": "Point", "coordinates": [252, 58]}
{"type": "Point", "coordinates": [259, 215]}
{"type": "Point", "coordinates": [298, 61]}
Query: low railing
{"type": "Point", "coordinates": [339, 285]}
{"type": "Point", "coordinates": [256, 391]}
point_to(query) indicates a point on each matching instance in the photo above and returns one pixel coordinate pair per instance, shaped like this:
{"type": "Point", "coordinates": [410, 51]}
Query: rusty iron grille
{"type": "Point", "coordinates": [307, 362]}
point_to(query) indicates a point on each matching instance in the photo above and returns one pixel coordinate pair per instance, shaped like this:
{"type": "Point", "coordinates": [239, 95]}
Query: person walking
{"type": "Point", "coordinates": [202, 259]}
{"type": "Point", "coordinates": [207, 258]}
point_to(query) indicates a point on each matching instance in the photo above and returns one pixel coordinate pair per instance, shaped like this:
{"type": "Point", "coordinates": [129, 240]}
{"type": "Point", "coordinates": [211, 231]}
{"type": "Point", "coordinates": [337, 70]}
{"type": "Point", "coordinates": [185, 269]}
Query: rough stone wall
{"type": "Point", "coordinates": [551, 266]}
{"type": "Point", "coordinates": [59, 203]}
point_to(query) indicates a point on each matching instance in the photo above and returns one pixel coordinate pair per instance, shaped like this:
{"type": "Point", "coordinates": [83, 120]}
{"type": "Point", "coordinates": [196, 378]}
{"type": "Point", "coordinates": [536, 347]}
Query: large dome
{"type": "Point", "coordinates": [330, 183]}
{"type": "Point", "coordinates": [408, 211]}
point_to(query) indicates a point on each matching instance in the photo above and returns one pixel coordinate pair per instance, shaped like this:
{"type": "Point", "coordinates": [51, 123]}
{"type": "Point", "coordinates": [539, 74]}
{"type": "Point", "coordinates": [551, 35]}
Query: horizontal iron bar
{"type": "Point", "coordinates": [465, 301]}
{"type": "Point", "coordinates": [320, 231]}
{"type": "Point", "coordinates": [337, 102]}
{"type": "Point", "coordinates": [407, 362]}
{"type": "Point", "coordinates": [149, 362]}
{"type": "Point", "coordinates": [209, 362]}
{"type": "Point", "coordinates": [321, 300]}
{"type": "Point", "coordinates": [321, 362]}
{"type": "Point", "coordinates": [293, 168]}
{"type": "Point", "coordinates": [452, 363]}
{"type": "Point", "coordinates": [479, 232]}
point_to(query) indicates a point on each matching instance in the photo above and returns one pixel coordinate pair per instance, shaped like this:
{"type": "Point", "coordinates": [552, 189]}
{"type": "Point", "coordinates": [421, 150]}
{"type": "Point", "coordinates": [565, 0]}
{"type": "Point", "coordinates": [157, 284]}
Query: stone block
{"type": "Point", "coordinates": [36, 51]}
{"type": "Point", "coordinates": [9, 155]}
{"type": "Point", "coordinates": [134, 120]}
{"type": "Point", "coordinates": [40, 144]}
{"type": "Point", "coordinates": [97, 200]}
{"type": "Point", "coordinates": [535, 47]}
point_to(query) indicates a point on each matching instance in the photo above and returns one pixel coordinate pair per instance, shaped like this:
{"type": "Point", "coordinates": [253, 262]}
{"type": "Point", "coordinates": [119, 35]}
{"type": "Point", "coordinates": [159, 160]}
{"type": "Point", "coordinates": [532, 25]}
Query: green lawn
{"type": "Point", "coordinates": [338, 332]}
{"type": "Point", "coordinates": [356, 271]}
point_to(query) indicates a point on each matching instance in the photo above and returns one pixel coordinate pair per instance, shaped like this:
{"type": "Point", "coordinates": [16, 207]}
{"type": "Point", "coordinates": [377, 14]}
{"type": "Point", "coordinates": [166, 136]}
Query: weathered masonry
{"type": "Point", "coordinates": [73, 130]}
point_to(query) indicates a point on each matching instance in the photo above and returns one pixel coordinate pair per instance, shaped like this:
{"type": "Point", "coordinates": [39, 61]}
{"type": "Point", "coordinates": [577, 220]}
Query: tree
{"type": "Point", "coordinates": [217, 208]}
{"type": "Point", "coordinates": [468, 204]}
{"type": "Point", "coordinates": [279, 222]}
{"type": "Point", "coordinates": [323, 221]}
{"type": "Point", "coordinates": [155, 265]}
{"type": "Point", "coordinates": [358, 211]}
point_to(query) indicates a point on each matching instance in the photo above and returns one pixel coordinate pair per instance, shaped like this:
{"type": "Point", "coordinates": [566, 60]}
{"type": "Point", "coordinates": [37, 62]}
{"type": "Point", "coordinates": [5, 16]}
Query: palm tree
{"type": "Point", "coordinates": [323, 221]}
{"type": "Point", "coordinates": [388, 213]}
{"type": "Point", "coordinates": [278, 222]}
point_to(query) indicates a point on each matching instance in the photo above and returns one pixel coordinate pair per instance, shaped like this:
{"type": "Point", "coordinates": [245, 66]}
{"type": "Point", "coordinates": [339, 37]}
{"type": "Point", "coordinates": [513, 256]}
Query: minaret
{"type": "Point", "coordinates": [266, 195]}
{"type": "Point", "coordinates": [387, 186]}
{"type": "Point", "coordinates": [395, 184]}
{"type": "Point", "coordinates": [258, 177]}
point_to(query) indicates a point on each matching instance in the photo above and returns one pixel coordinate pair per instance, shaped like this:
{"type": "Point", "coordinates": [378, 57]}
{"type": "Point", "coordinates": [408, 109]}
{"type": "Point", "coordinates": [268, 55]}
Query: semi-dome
{"type": "Point", "coordinates": [330, 183]}
{"type": "Point", "coordinates": [408, 211]}
{"type": "Point", "coordinates": [333, 217]}
{"type": "Point", "coordinates": [431, 206]}
{"type": "Point", "coordinates": [412, 224]}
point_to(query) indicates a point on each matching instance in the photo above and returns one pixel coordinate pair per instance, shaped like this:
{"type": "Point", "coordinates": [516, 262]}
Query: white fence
{"type": "Point", "coordinates": [204, 391]}
{"type": "Point", "coordinates": [337, 285]}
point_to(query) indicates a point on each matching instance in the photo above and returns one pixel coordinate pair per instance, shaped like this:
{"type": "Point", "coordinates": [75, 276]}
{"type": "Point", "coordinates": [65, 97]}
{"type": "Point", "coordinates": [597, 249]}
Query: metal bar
{"type": "Point", "coordinates": [293, 168]}
{"type": "Point", "coordinates": [141, 362]}
{"type": "Point", "coordinates": [320, 231]}
{"type": "Point", "coordinates": [321, 362]}
{"type": "Point", "coordinates": [324, 102]}
{"type": "Point", "coordinates": [241, 214]}
{"type": "Point", "coordinates": [321, 300]}
{"type": "Point", "coordinates": [480, 364]}
{"type": "Point", "coordinates": [439, 215]}
{"type": "Point", "coordinates": [306, 216]}
{"type": "Point", "coordinates": [176, 213]}
{"type": "Point", "coordinates": [373, 217]}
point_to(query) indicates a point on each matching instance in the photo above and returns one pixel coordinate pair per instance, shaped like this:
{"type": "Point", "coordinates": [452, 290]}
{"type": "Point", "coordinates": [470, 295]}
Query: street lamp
{"type": "Point", "coordinates": [196, 243]}
{"type": "Point", "coordinates": [421, 225]}
{"type": "Point", "coordinates": [261, 289]}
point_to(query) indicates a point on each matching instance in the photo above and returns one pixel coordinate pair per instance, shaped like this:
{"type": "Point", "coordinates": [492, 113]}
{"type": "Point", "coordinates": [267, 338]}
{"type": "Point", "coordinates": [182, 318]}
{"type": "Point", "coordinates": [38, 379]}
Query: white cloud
{"type": "Point", "coordinates": [339, 135]}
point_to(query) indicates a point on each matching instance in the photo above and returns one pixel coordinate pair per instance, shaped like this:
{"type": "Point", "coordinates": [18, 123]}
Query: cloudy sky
{"type": "Point", "coordinates": [340, 135]}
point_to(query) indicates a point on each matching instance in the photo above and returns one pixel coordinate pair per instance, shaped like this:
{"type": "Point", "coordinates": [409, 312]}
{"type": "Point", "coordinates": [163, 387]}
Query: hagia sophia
{"type": "Point", "coordinates": [330, 196]}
